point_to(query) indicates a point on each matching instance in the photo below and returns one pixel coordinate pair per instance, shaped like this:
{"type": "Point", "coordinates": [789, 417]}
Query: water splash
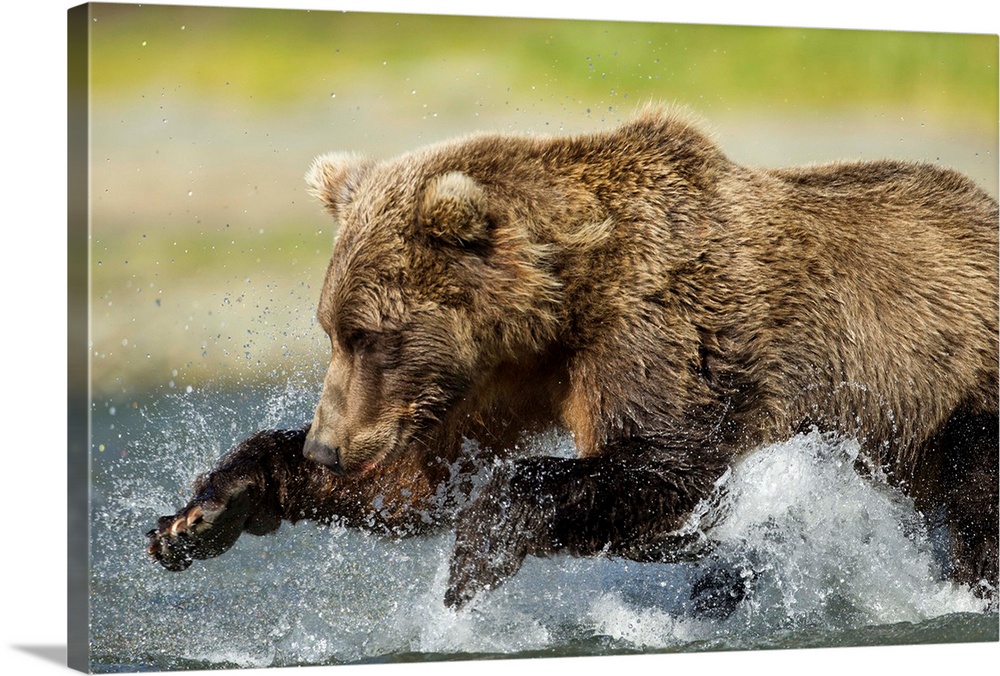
{"type": "Point", "coordinates": [824, 551]}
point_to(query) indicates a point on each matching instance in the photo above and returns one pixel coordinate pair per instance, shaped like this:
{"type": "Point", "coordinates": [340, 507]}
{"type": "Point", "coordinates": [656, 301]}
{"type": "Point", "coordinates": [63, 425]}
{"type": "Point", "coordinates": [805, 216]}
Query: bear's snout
{"type": "Point", "coordinates": [319, 452]}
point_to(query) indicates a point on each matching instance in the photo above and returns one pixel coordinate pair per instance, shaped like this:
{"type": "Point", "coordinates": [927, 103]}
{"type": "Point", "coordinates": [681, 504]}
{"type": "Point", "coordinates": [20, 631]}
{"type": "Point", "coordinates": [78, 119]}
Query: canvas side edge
{"type": "Point", "coordinates": [78, 316]}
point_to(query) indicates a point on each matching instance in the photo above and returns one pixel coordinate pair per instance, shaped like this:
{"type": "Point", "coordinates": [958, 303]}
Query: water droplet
{"type": "Point", "coordinates": [190, 193]}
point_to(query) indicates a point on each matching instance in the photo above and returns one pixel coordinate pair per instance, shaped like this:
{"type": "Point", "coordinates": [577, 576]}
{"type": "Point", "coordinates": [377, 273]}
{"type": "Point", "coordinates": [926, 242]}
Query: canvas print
{"type": "Point", "coordinates": [589, 338]}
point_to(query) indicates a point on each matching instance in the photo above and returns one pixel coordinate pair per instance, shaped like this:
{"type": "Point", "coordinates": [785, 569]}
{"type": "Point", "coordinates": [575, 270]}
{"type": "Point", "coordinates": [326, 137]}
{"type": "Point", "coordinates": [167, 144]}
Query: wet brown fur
{"type": "Point", "coordinates": [671, 310]}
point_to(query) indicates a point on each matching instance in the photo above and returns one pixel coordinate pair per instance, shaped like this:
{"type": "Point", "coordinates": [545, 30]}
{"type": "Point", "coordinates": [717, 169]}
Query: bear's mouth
{"type": "Point", "coordinates": [356, 461]}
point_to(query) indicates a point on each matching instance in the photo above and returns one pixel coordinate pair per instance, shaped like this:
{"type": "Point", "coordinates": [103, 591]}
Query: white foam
{"type": "Point", "coordinates": [823, 548]}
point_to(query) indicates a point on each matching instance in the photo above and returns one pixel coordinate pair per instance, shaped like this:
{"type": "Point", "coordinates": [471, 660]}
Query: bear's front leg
{"type": "Point", "coordinates": [241, 494]}
{"type": "Point", "coordinates": [266, 479]}
{"type": "Point", "coordinates": [587, 506]}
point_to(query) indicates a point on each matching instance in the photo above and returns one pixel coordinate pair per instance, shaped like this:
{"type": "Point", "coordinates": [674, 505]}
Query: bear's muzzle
{"type": "Point", "coordinates": [319, 452]}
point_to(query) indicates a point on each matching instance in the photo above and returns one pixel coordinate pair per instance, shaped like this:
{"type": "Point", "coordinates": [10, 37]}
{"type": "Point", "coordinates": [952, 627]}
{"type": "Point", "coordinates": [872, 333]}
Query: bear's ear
{"type": "Point", "coordinates": [334, 177]}
{"type": "Point", "coordinates": [454, 209]}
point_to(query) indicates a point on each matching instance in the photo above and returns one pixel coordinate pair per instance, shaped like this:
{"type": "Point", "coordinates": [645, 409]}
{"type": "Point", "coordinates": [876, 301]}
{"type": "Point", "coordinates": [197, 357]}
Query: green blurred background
{"type": "Point", "coordinates": [207, 256]}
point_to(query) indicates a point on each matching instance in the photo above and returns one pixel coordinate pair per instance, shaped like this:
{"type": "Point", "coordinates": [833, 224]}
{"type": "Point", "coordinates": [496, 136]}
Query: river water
{"type": "Point", "coordinates": [830, 559]}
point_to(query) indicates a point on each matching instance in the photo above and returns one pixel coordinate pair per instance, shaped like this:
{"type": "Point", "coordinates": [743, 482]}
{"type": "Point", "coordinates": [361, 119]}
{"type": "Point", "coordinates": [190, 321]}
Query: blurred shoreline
{"type": "Point", "coordinates": [221, 284]}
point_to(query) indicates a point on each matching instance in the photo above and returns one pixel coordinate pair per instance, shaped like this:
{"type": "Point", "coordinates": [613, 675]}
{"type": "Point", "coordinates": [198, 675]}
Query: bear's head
{"type": "Point", "coordinates": [433, 286]}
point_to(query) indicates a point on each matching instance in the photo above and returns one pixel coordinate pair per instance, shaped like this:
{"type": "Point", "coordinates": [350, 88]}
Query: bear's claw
{"type": "Point", "coordinates": [174, 540]}
{"type": "Point", "coordinates": [199, 531]}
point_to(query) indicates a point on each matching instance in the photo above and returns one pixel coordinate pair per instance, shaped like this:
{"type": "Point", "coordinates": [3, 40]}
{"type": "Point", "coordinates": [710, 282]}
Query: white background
{"type": "Point", "coordinates": [33, 266]}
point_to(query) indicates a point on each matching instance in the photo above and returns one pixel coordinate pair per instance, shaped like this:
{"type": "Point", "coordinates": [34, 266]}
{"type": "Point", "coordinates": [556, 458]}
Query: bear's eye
{"type": "Point", "coordinates": [357, 340]}
{"type": "Point", "coordinates": [378, 349]}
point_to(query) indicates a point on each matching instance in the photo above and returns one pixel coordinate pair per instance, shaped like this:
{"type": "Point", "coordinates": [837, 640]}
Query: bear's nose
{"type": "Point", "coordinates": [319, 452]}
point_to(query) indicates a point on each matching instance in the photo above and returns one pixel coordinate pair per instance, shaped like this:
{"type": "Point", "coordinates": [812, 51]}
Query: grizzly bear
{"type": "Point", "coordinates": [668, 308]}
